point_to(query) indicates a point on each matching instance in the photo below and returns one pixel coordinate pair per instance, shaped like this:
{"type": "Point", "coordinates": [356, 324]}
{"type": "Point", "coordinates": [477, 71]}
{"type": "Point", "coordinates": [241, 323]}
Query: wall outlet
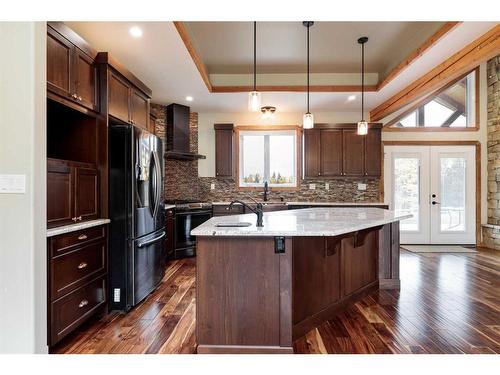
{"type": "Point", "coordinates": [212, 186]}
{"type": "Point", "coordinates": [361, 186]}
{"type": "Point", "coordinates": [327, 186]}
{"type": "Point", "coordinates": [116, 295]}
{"type": "Point", "coordinates": [312, 186]}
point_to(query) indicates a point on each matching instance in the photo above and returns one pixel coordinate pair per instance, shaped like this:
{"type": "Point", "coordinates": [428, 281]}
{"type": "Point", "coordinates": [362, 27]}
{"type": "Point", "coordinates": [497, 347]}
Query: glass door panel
{"type": "Point", "coordinates": [406, 191]}
{"type": "Point", "coordinates": [452, 205]}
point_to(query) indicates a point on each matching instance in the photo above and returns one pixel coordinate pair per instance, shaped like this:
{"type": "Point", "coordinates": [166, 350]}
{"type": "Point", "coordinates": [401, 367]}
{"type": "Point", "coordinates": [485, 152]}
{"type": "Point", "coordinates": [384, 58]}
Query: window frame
{"type": "Point", "coordinates": [422, 102]}
{"type": "Point", "coordinates": [270, 128]}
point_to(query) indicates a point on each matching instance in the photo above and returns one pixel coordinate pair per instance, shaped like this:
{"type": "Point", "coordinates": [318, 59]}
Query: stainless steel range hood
{"type": "Point", "coordinates": [178, 134]}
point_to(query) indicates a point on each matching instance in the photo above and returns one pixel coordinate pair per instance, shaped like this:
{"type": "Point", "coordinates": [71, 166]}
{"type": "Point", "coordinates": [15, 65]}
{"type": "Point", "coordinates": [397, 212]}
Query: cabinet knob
{"type": "Point", "coordinates": [319, 173]}
{"type": "Point", "coordinates": [75, 219]}
{"type": "Point", "coordinates": [82, 265]}
{"type": "Point", "coordinates": [80, 98]}
{"type": "Point", "coordinates": [73, 96]}
{"type": "Point", "coordinates": [83, 303]}
{"type": "Point", "coordinates": [82, 237]}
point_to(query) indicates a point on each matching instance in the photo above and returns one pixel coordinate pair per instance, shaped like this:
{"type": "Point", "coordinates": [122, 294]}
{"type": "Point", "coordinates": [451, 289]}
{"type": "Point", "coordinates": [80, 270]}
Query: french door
{"type": "Point", "coordinates": [436, 184]}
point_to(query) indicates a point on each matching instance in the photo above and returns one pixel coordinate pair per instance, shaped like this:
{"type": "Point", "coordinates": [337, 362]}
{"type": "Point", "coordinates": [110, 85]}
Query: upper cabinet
{"type": "Point", "coordinates": [332, 151]}
{"type": "Point", "coordinates": [224, 151]}
{"type": "Point", "coordinates": [71, 69]}
{"type": "Point", "coordinates": [128, 98]}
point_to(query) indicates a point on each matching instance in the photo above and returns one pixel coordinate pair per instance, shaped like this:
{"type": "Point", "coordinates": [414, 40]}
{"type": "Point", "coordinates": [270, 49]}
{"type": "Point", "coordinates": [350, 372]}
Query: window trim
{"type": "Point", "coordinates": [298, 154]}
{"type": "Point", "coordinates": [420, 103]}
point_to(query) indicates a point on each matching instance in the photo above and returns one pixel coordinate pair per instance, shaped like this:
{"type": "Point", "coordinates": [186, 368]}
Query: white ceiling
{"type": "Point", "coordinates": [227, 47]}
{"type": "Point", "coordinates": [160, 59]}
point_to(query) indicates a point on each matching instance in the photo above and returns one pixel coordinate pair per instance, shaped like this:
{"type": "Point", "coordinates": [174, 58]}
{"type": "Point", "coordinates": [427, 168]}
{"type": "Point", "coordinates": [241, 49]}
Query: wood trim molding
{"type": "Point", "coordinates": [301, 88]}
{"type": "Point", "coordinates": [482, 49]}
{"type": "Point", "coordinates": [430, 97]}
{"type": "Point", "coordinates": [414, 55]}
{"type": "Point", "coordinates": [477, 144]}
{"type": "Point", "coordinates": [181, 29]}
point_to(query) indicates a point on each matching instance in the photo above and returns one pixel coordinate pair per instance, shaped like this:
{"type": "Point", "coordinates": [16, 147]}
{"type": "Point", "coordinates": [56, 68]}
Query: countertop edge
{"type": "Point", "coordinates": [75, 227]}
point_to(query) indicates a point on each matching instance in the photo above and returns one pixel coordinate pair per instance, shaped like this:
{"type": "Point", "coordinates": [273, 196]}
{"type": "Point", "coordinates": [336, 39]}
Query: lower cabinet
{"type": "Point", "coordinates": [77, 275]}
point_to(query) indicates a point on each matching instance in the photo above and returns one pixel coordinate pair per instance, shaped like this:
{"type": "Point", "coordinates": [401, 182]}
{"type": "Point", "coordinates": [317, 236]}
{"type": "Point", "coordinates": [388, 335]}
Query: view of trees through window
{"type": "Point", "coordinates": [453, 107]}
{"type": "Point", "coordinates": [267, 156]}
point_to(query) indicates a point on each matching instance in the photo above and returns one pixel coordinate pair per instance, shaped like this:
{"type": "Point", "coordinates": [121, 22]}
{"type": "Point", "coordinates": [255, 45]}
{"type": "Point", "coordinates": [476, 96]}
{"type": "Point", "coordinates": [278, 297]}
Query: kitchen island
{"type": "Point", "coordinates": [260, 288]}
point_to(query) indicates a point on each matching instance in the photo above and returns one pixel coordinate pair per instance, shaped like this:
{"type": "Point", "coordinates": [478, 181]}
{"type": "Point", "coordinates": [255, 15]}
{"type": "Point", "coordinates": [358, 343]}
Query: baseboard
{"type": "Point", "coordinates": [389, 284]}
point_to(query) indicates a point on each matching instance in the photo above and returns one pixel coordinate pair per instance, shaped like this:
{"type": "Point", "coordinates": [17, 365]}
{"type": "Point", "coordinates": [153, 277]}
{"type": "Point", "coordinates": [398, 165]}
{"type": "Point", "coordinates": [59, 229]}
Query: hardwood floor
{"type": "Point", "coordinates": [448, 303]}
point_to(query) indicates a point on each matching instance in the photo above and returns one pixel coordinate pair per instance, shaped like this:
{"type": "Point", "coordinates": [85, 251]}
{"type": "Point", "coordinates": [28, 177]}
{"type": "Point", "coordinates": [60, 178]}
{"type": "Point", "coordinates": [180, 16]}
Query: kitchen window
{"type": "Point", "coordinates": [453, 107]}
{"type": "Point", "coordinates": [268, 155]}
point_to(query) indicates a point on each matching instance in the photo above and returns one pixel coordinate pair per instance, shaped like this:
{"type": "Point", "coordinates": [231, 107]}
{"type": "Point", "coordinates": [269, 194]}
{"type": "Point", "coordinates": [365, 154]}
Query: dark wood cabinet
{"type": "Point", "coordinates": [331, 151]}
{"type": "Point", "coordinates": [72, 192]}
{"type": "Point", "coordinates": [71, 72]}
{"type": "Point", "coordinates": [118, 97]}
{"type": "Point", "coordinates": [335, 150]}
{"type": "Point", "coordinates": [139, 109]}
{"type": "Point", "coordinates": [77, 269]}
{"type": "Point", "coordinates": [354, 153]}
{"type": "Point", "coordinates": [224, 151]}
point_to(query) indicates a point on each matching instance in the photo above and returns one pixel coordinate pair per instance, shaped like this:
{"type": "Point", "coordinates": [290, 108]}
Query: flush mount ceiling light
{"type": "Point", "coordinates": [135, 31]}
{"type": "Point", "coordinates": [362, 125]}
{"type": "Point", "coordinates": [189, 98]}
{"type": "Point", "coordinates": [308, 119]}
{"type": "Point", "coordinates": [254, 97]}
{"type": "Point", "coordinates": [351, 98]}
{"type": "Point", "coordinates": [268, 111]}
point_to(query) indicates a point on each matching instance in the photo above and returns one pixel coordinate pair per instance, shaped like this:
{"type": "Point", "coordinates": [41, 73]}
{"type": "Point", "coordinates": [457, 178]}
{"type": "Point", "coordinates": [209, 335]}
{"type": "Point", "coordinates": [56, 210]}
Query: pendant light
{"type": "Point", "coordinates": [254, 97]}
{"type": "Point", "coordinates": [362, 125]}
{"type": "Point", "coordinates": [308, 119]}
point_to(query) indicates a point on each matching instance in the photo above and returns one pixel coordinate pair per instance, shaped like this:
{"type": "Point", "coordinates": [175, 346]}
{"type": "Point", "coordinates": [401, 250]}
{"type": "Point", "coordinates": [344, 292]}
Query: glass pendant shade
{"type": "Point", "coordinates": [254, 99]}
{"type": "Point", "coordinates": [362, 128]}
{"type": "Point", "coordinates": [308, 121]}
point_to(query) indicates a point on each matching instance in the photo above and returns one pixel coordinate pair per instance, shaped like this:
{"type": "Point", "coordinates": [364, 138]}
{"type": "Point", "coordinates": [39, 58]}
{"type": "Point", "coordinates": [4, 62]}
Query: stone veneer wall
{"type": "Point", "coordinates": [182, 180]}
{"type": "Point", "coordinates": [491, 232]}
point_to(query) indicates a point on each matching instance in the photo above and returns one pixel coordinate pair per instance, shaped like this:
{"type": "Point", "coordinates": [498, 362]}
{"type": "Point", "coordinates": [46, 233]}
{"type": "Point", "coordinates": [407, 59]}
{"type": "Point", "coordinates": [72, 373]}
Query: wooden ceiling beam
{"type": "Point", "coordinates": [480, 50]}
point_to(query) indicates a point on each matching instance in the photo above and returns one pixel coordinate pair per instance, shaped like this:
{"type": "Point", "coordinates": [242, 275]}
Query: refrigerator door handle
{"type": "Point", "coordinates": [157, 183]}
{"type": "Point", "coordinates": [149, 242]}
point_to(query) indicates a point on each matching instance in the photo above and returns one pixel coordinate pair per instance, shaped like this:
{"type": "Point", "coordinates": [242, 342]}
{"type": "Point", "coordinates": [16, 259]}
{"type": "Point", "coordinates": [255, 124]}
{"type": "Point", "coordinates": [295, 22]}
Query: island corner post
{"type": "Point", "coordinates": [259, 294]}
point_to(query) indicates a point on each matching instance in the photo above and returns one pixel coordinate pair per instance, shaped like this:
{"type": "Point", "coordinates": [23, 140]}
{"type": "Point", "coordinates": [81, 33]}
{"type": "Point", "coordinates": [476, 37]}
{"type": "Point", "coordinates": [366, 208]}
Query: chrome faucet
{"type": "Point", "coordinates": [259, 210]}
{"type": "Point", "coordinates": [266, 190]}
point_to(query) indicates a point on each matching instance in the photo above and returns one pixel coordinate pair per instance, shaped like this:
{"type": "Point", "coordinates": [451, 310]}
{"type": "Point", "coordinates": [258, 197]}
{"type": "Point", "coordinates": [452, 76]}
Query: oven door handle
{"type": "Point", "coordinates": [149, 242]}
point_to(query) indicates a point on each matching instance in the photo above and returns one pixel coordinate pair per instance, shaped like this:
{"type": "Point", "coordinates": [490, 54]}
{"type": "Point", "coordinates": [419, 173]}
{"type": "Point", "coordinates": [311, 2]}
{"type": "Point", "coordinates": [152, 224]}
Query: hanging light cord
{"type": "Point", "coordinates": [308, 69]}
{"type": "Point", "coordinates": [255, 56]}
{"type": "Point", "coordinates": [362, 81]}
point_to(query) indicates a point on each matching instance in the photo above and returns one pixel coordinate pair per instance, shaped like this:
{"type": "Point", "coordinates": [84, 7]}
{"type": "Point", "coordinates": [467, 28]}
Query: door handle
{"type": "Point", "coordinates": [142, 244]}
{"type": "Point", "coordinates": [434, 203]}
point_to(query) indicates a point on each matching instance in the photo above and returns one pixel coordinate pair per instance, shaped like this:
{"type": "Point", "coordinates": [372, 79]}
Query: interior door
{"type": "Point", "coordinates": [436, 184]}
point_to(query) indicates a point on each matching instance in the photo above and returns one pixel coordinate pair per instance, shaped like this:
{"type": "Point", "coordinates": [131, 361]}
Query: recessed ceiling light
{"type": "Point", "coordinates": [351, 97]}
{"type": "Point", "coordinates": [135, 31]}
{"type": "Point", "coordinates": [189, 98]}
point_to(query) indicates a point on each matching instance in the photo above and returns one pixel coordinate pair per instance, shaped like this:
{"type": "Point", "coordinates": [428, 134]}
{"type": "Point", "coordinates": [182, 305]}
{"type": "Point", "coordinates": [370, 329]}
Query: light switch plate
{"type": "Point", "coordinates": [327, 186]}
{"type": "Point", "coordinates": [312, 186]}
{"type": "Point", "coordinates": [13, 183]}
{"type": "Point", "coordinates": [361, 186]}
{"type": "Point", "coordinates": [212, 186]}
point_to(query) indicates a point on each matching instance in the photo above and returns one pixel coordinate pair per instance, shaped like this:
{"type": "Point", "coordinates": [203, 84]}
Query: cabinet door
{"type": "Point", "coordinates": [118, 97]}
{"type": "Point", "coordinates": [373, 153]}
{"type": "Point", "coordinates": [86, 193]}
{"type": "Point", "coordinates": [139, 109]}
{"type": "Point", "coordinates": [224, 153]}
{"type": "Point", "coordinates": [86, 80]}
{"type": "Point", "coordinates": [331, 152]}
{"type": "Point", "coordinates": [354, 153]}
{"type": "Point", "coordinates": [332, 248]}
{"type": "Point", "coordinates": [59, 64]}
{"type": "Point", "coordinates": [60, 208]}
{"type": "Point", "coordinates": [312, 153]}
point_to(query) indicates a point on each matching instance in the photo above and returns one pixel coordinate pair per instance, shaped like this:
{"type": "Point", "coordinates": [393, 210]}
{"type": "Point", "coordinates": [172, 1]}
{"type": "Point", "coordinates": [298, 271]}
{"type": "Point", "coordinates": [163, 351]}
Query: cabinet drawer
{"type": "Point", "coordinates": [66, 241]}
{"type": "Point", "coordinates": [72, 269]}
{"type": "Point", "coordinates": [70, 311]}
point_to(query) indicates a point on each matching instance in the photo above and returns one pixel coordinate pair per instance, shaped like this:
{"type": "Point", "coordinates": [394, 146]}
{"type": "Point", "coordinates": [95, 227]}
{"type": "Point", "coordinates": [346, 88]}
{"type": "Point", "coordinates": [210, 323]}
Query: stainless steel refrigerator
{"type": "Point", "coordinates": [137, 228]}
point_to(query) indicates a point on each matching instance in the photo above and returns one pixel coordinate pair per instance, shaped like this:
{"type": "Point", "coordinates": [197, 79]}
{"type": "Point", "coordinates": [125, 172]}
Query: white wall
{"type": "Point", "coordinates": [23, 283]}
{"type": "Point", "coordinates": [481, 135]}
{"type": "Point", "coordinates": [206, 133]}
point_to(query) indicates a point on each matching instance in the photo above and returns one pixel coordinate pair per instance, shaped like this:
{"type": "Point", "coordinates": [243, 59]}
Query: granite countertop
{"type": "Point", "coordinates": [305, 222]}
{"type": "Point", "coordinates": [289, 203]}
{"type": "Point", "coordinates": [74, 227]}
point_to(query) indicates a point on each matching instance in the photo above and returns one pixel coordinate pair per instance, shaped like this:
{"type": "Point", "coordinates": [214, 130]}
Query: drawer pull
{"type": "Point", "coordinates": [82, 265]}
{"type": "Point", "coordinates": [82, 237]}
{"type": "Point", "coordinates": [83, 303]}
